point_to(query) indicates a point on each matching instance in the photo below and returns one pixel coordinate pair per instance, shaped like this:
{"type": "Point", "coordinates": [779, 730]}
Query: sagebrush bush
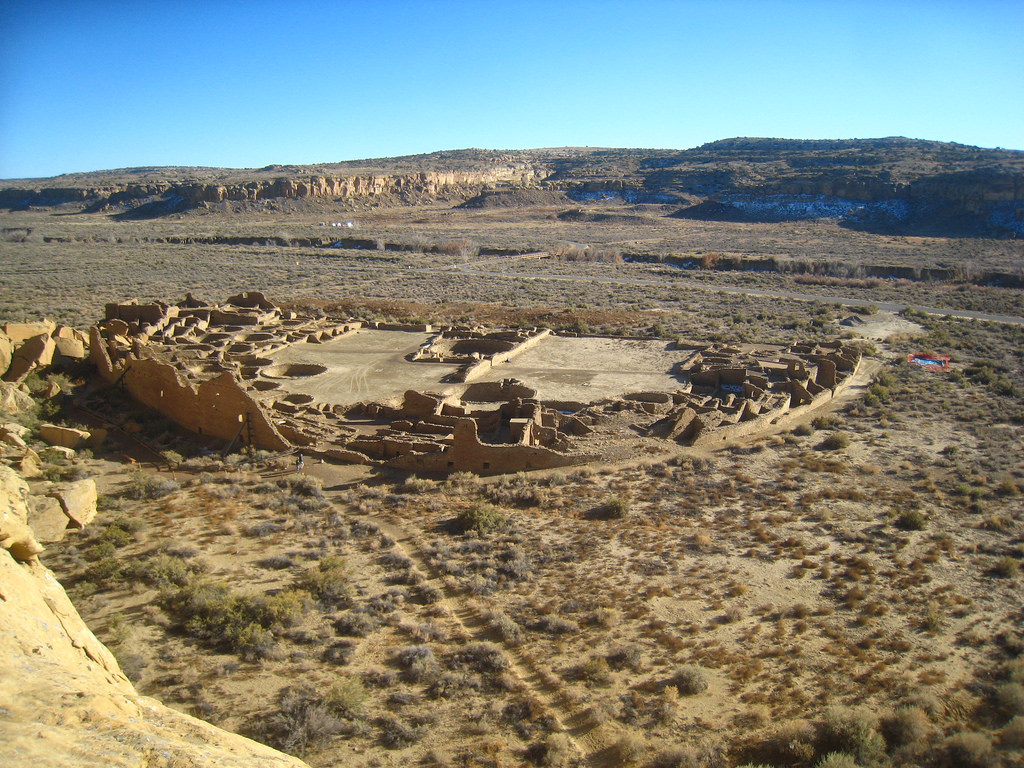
{"type": "Point", "coordinates": [142, 486]}
{"type": "Point", "coordinates": [690, 680]}
{"type": "Point", "coordinates": [970, 750]}
{"type": "Point", "coordinates": [481, 518]}
{"type": "Point", "coordinates": [328, 581]}
{"type": "Point", "coordinates": [852, 731]}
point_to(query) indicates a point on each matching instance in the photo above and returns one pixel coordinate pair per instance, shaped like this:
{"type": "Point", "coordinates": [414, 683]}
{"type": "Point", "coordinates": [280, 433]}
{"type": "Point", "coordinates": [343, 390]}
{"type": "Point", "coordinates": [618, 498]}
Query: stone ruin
{"type": "Point", "coordinates": [207, 367]}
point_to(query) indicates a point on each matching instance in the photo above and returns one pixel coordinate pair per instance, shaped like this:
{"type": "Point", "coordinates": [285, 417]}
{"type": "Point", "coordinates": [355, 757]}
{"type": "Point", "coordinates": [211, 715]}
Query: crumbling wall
{"type": "Point", "coordinates": [468, 454]}
{"type": "Point", "coordinates": [217, 407]}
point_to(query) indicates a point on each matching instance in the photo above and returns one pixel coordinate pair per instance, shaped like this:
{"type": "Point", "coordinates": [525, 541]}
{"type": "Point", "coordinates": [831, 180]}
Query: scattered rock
{"type": "Point", "coordinates": [30, 466]}
{"type": "Point", "coordinates": [36, 352]}
{"type": "Point", "coordinates": [15, 534]}
{"type": "Point", "coordinates": [47, 518]}
{"type": "Point", "coordinates": [20, 332]}
{"type": "Point", "coordinates": [68, 437]}
{"type": "Point", "coordinates": [70, 349]}
{"type": "Point", "coordinates": [6, 352]}
{"type": "Point", "coordinates": [78, 500]}
{"type": "Point", "coordinates": [13, 400]}
{"type": "Point", "coordinates": [12, 436]}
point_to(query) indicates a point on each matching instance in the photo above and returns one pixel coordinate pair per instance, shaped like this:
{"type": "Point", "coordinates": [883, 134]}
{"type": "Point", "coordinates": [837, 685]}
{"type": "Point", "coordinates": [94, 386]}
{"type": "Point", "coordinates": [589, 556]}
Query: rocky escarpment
{"type": "Point", "coordinates": [64, 700]}
{"type": "Point", "coordinates": [890, 184]}
{"type": "Point", "coordinates": [166, 196]}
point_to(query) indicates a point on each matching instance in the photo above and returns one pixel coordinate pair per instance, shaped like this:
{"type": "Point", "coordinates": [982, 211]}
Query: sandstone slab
{"type": "Point", "coordinates": [6, 352]}
{"type": "Point", "coordinates": [13, 400]}
{"type": "Point", "coordinates": [68, 437]}
{"type": "Point", "coordinates": [78, 500]}
{"type": "Point", "coordinates": [19, 332]}
{"type": "Point", "coordinates": [70, 348]}
{"type": "Point", "coordinates": [36, 352]}
{"type": "Point", "coordinates": [30, 466]}
{"type": "Point", "coordinates": [47, 519]}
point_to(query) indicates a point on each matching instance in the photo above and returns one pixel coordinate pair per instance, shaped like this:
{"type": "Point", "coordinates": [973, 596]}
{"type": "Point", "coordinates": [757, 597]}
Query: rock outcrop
{"type": "Point", "coordinates": [64, 699]}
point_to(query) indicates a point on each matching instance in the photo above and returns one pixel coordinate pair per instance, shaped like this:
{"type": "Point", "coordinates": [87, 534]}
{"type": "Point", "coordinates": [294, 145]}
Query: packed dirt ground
{"type": "Point", "coordinates": [843, 592]}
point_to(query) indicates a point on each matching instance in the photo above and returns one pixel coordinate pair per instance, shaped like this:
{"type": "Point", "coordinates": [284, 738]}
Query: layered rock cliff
{"type": "Point", "coordinates": [906, 184]}
{"type": "Point", "coordinates": [64, 701]}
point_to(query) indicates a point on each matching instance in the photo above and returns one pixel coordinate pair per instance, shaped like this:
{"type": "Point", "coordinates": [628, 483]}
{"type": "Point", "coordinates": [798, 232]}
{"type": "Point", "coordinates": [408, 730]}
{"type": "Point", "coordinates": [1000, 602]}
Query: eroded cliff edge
{"type": "Point", "coordinates": [64, 700]}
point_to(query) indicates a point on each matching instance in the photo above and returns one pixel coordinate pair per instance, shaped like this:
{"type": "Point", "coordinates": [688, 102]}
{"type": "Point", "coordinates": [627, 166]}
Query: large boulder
{"type": "Point", "coordinates": [13, 435]}
{"type": "Point", "coordinates": [68, 437]}
{"type": "Point", "coordinates": [36, 352]}
{"type": "Point", "coordinates": [13, 401]}
{"type": "Point", "coordinates": [6, 352]}
{"type": "Point", "coordinates": [70, 349]}
{"type": "Point", "coordinates": [30, 466]}
{"type": "Point", "coordinates": [47, 518]}
{"type": "Point", "coordinates": [15, 534]}
{"type": "Point", "coordinates": [78, 500]}
{"type": "Point", "coordinates": [19, 332]}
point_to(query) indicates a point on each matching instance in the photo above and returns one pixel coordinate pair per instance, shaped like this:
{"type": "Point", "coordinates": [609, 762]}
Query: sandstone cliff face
{"type": "Point", "coordinates": [64, 701]}
{"type": "Point", "coordinates": [432, 184]}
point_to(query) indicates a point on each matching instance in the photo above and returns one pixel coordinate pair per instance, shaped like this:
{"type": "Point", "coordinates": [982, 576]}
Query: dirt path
{"type": "Point", "coordinates": [592, 741]}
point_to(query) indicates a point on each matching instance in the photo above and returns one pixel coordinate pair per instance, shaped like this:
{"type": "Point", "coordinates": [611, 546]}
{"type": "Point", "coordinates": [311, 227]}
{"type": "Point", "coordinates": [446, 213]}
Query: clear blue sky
{"type": "Point", "coordinates": [95, 85]}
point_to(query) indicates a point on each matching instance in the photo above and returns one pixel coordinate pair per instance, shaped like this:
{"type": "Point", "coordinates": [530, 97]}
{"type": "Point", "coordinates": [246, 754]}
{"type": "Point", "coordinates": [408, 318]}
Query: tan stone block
{"type": "Point", "coordinates": [78, 500]}
{"type": "Point", "coordinates": [47, 518]}
{"type": "Point", "coordinates": [67, 437]}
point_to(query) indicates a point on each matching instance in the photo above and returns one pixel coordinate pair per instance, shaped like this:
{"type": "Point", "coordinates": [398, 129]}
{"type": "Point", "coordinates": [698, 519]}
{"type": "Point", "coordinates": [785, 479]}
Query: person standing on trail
{"type": "Point", "coordinates": [298, 463]}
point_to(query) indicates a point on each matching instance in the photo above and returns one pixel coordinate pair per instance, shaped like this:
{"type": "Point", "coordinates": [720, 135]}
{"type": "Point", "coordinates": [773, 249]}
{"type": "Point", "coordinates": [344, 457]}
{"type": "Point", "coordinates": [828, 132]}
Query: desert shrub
{"type": "Point", "coordinates": [1006, 567]}
{"type": "Point", "coordinates": [838, 760]}
{"type": "Point", "coordinates": [211, 611]}
{"type": "Point", "coordinates": [355, 623]}
{"type": "Point", "coordinates": [419, 663]}
{"type": "Point", "coordinates": [328, 581]}
{"type": "Point", "coordinates": [615, 508]}
{"type": "Point", "coordinates": [556, 751]}
{"type": "Point", "coordinates": [803, 430]}
{"type": "Point", "coordinates": [417, 485]}
{"type": "Point", "coordinates": [142, 486]}
{"type": "Point", "coordinates": [626, 657]}
{"type": "Point", "coordinates": [594, 671]}
{"type": "Point", "coordinates": [429, 594]}
{"type": "Point", "coordinates": [1012, 735]}
{"type": "Point", "coordinates": [164, 571]}
{"type": "Point", "coordinates": [339, 653]}
{"type": "Point", "coordinates": [911, 520]}
{"type": "Point", "coordinates": [482, 657]}
{"type": "Point", "coordinates": [276, 562]}
{"type": "Point", "coordinates": [1009, 698]}
{"type": "Point", "coordinates": [628, 749]}
{"type": "Point", "coordinates": [826, 422]}
{"type": "Point", "coordinates": [606, 618]}
{"type": "Point", "coordinates": [853, 731]}
{"type": "Point", "coordinates": [836, 441]}
{"type": "Point", "coordinates": [303, 721]}
{"type": "Point", "coordinates": [254, 643]}
{"type": "Point", "coordinates": [303, 485]}
{"type": "Point", "coordinates": [506, 628]}
{"type": "Point", "coordinates": [791, 742]}
{"type": "Point", "coordinates": [346, 697]}
{"type": "Point", "coordinates": [690, 680]}
{"type": "Point", "coordinates": [481, 518]}
{"type": "Point", "coordinates": [970, 750]}
{"type": "Point", "coordinates": [905, 727]}
{"type": "Point", "coordinates": [394, 734]}
{"type": "Point", "coordinates": [556, 625]}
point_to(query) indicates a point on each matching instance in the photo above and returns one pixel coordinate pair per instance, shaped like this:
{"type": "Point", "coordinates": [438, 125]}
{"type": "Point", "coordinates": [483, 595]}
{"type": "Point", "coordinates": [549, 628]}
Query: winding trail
{"type": "Point", "coordinates": [592, 741]}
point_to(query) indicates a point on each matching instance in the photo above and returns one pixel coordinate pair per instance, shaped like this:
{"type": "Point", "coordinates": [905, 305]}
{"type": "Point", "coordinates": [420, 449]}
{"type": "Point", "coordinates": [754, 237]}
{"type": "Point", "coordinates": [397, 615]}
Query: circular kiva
{"type": "Point", "coordinates": [293, 370]}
